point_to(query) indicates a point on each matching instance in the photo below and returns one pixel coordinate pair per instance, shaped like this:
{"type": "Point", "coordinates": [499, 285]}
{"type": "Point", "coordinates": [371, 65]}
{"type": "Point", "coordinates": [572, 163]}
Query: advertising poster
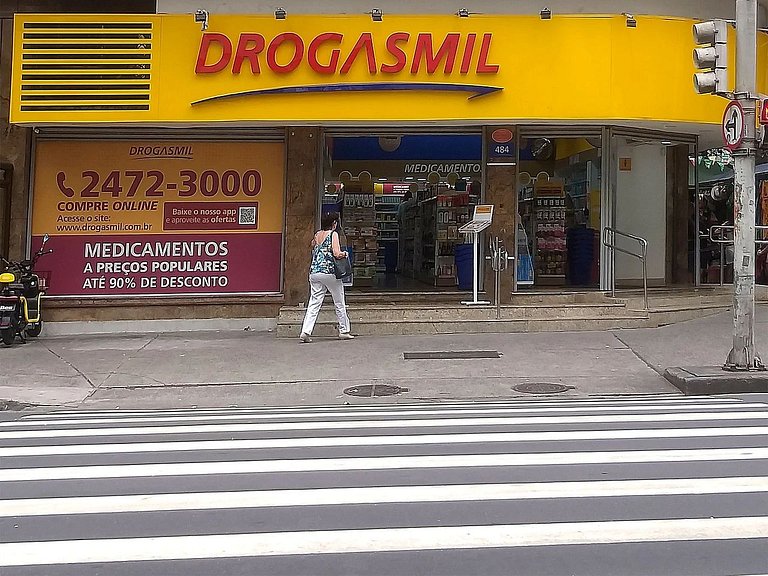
{"type": "Point", "coordinates": [175, 217]}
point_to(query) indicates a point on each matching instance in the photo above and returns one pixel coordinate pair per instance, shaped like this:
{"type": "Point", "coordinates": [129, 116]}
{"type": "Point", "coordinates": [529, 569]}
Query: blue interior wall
{"type": "Point", "coordinates": [412, 147]}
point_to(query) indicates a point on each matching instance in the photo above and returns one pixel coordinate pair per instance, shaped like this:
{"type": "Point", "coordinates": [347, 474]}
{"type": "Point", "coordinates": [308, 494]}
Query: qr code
{"type": "Point", "coordinates": [246, 215]}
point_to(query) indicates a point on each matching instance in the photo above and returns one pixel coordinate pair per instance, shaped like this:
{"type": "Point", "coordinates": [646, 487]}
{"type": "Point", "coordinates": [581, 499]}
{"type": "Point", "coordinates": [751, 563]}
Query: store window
{"type": "Point", "coordinates": [559, 206]}
{"type": "Point", "coordinates": [402, 200]}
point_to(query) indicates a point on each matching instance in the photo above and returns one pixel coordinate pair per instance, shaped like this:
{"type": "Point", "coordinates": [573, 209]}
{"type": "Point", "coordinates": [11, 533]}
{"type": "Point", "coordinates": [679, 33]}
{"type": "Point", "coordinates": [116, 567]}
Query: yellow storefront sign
{"type": "Point", "coordinates": [332, 69]}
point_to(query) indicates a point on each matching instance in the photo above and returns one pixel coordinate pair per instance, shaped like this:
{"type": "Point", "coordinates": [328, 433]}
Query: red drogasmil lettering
{"type": "Point", "coordinates": [482, 62]}
{"type": "Point", "coordinates": [400, 58]}
{"type": "Point", "coordinates": [365, 42]}
{"type": "Point", "coordinates": [469, 48]}
{"type": "Point", "coordinates": [424, 51]}
{"type": "Point", "coordinates": [246, 52]}
{"type": "Point", "coordinates": [314, 46]}
{"type": "Point", "coordinates": [208, 39]}
{"type": "Point", "coordinates": [298, 52]}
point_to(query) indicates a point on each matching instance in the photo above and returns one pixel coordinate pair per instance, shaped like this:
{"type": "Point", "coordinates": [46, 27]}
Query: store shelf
{"type": "Point", "coordinates": [437, 217]}
{"type": "Point", "coordinates": [550, 213]}
{"type": "Point", "coordinates": [361, 231]}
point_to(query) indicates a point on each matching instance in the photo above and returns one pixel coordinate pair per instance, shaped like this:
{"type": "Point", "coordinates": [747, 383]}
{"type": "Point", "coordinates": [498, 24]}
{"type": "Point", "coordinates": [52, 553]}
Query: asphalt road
{"type": "Point", "coordinates": [621, 486]}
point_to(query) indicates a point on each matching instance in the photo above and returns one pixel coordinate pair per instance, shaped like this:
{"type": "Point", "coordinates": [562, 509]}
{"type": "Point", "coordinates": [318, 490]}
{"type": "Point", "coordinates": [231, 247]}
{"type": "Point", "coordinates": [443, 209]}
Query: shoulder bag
{"type": "Point", "coordinates": [341, 266]}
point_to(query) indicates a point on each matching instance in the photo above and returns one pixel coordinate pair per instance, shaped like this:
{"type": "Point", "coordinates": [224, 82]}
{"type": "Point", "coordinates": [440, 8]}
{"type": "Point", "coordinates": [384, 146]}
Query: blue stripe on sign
{"type": "Point", "coordinates": [475, 89]}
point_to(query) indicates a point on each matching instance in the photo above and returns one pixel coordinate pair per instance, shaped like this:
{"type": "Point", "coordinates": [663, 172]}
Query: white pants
{"type": "Point", "coordinates": [320, 283]}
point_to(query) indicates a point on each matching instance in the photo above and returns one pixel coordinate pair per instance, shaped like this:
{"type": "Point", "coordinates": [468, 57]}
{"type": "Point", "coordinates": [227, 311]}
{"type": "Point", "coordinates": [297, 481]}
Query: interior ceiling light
{"type": "Point", "coordinates": [376, 15]}
{"type": "Point", "coordinates": [546, 14]}
{"type": "Point", "coordinates": [201, 16]}
{"type": "Point", "coordinates": [631, 22]}
{"type": "Point", "coordinates": [280, 14]}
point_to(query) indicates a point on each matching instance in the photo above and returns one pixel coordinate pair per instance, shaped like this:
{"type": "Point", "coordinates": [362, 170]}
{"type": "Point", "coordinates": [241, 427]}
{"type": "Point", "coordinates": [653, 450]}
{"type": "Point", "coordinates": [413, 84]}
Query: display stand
{"type": "Point", "coordinates": [550, 233]}
{"type": "Point", "coordinates": [524, 267]}
{"type": "Point", "coordinates": [481, 219]}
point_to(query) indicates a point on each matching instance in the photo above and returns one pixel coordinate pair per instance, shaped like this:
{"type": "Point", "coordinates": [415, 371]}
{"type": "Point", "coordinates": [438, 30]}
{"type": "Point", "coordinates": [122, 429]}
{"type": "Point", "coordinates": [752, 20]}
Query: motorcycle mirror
{"type": "Point", "coordinates": [45, 239]}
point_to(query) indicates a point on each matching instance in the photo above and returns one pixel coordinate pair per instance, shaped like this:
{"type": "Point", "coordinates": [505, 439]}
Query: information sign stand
{"type": "Point", "coordinates": [481, 219]}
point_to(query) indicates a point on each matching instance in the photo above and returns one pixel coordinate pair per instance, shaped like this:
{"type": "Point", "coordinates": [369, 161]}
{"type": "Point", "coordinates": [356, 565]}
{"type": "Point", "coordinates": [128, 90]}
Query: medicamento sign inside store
{"type": "Point", "coordinates": [129, 218]}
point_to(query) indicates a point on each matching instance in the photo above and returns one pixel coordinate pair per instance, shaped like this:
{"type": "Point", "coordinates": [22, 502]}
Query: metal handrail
{"type": "Point", "coordinates": [724, 228]}
{"type": "Point", "coordinates": [609, 240]}
{"type": "Point", "coordinates": [723, 241]}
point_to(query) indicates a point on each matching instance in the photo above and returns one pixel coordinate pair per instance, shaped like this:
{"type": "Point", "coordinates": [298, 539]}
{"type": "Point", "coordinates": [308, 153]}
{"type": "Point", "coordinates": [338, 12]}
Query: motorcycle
{"type": "Point", "coordinates": [20, 298]}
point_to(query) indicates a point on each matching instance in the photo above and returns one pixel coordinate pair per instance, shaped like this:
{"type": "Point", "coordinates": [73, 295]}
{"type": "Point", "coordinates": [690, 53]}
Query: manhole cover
{"type": "Point", "coordinates": [370, 390]}
{"type": "Point", "coordinates": [541, 388]}
{"type": "Point", "coordinates": [452, 355]}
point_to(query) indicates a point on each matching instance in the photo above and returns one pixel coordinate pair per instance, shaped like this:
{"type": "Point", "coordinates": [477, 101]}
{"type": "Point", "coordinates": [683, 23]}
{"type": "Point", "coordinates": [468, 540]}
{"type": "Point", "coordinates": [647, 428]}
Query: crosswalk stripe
{"type": "Point", "coordinates": [352, 424]}
{"type": "Point", "coordinates": [355, 413]}
{"type": "Point", "coordinates": [414, 439]}
{"type": "Point", "coordinates": [587, 402]}
{"type": "Point", "coordinates": [378, 495]}
{"type": "Point", "coordinates": [379, 540]}
{"type": "Point", "coordinates": [379, 463]}
{"type": "Point", "coordinates": [118, 486]}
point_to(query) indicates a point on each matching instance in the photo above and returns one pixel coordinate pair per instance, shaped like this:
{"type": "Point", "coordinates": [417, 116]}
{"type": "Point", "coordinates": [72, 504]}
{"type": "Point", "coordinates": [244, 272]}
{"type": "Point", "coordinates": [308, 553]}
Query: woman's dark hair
{"type": "Point", "coordinates": [407, 196]}
{"type": "Point", "coordinates": [327, 220]}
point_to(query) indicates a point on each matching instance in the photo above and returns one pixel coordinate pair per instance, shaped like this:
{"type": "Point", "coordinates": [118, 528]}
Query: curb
{"type": "Point", "coordinates": [695, 381]}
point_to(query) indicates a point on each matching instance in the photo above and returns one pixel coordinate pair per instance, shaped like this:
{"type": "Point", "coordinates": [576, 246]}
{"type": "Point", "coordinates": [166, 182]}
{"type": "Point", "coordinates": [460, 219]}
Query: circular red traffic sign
{"type": "Point", "coordinates": [733, 125]}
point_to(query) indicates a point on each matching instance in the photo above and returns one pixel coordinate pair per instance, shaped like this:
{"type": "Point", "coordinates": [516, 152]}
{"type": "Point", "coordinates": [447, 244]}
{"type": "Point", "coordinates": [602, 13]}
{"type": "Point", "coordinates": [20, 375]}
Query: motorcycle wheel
{"type": "Point", "coordinates": [8, 335]}
{"type": "Point", "coordinates": [34, 330]}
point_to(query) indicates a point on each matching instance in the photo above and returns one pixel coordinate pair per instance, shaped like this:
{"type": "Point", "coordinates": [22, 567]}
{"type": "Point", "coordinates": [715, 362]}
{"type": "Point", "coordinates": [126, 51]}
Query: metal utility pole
{"type": "Point", "coordinates": [743, 355]}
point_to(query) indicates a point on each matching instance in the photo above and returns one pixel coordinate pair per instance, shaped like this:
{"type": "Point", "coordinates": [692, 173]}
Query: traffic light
{"type": "Point", "coordinates": [712, 58]}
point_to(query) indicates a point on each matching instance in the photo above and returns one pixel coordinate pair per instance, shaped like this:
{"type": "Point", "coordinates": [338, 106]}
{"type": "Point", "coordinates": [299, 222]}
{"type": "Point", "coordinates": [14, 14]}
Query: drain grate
{"type": "Point", "coordinates": [541, 388]}
{"type": "Point", "coordinates": [371, 390]}
{"type": "Point", "coordinates": [451, 355]}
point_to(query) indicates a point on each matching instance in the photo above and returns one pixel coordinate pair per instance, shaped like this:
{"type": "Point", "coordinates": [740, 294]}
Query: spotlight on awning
{"type": "Point", "coordinates": [201, 17]}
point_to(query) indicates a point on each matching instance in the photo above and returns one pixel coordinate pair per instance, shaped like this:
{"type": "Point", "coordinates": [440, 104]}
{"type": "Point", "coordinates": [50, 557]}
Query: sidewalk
{"type": "Point", "coordinates": [246, 368]}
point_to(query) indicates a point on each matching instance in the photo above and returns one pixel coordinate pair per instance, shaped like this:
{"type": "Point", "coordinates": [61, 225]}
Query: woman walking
{"type": "Point", "coordinates": [326, 248]}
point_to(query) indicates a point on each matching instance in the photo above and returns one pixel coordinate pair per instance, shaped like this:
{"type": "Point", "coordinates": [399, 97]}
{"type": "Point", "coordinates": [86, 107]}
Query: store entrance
{"type": "Point", "coordinates": [402, 200]}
